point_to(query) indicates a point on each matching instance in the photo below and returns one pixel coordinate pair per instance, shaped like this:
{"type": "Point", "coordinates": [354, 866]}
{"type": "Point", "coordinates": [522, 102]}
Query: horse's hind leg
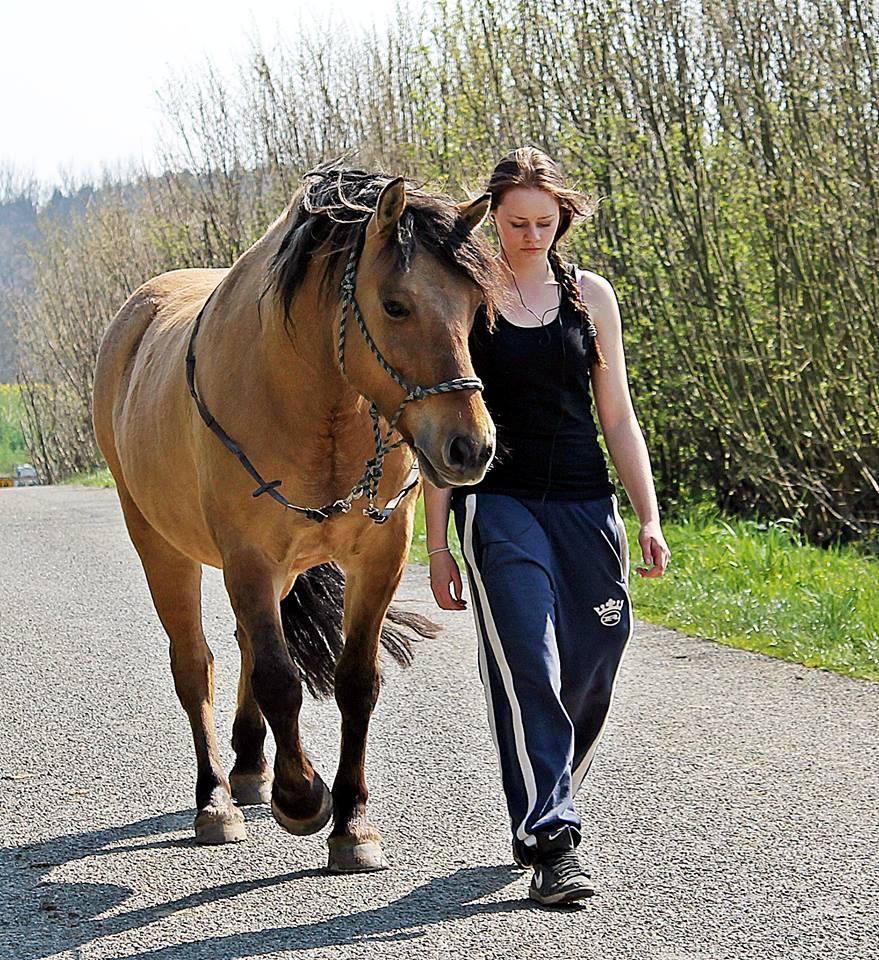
{"type": "Point", "coordinates": [175, 584]}
{"type": "Point", "coordinates": [250, 779]}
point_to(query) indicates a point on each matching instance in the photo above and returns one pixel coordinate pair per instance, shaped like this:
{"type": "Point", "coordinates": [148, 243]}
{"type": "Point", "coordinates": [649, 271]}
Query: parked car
{"type": "Point", "coordinates": [24, 475]}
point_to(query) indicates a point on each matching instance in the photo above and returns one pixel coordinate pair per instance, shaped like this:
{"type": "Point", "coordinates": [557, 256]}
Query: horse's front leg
{"type": "Point", "coordinates": [250, 779]}
{"type": "Point", "coordinates": [175, 585]}
{"type": "Point", "coordinates": [301, 802]}
{"type": "Point", "coordinates": [355, 844]}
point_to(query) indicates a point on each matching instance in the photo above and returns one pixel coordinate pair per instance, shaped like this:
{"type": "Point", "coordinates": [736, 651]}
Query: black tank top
{"type": "Point", "coordinates": [537, 390]}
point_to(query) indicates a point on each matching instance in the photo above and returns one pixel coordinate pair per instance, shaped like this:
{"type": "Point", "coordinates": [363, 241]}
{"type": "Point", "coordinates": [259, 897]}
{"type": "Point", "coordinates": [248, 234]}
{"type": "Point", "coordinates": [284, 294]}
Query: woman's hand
{"type": "Point", "coordinates": [445, 581]}
{"type": "Point", "coordinates": [654, 549]}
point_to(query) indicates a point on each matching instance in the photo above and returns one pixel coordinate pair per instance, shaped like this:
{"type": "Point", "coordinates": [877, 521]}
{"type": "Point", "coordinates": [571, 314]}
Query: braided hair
{"type": "Point", "coordinates": [571, 291]}
{"type": "Point", "coordinates": [531, 168]}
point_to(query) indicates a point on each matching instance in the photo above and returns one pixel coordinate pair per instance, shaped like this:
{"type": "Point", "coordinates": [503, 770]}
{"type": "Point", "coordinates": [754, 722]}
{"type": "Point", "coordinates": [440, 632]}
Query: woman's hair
{"type": "Point", "coordinates": [532, 169]}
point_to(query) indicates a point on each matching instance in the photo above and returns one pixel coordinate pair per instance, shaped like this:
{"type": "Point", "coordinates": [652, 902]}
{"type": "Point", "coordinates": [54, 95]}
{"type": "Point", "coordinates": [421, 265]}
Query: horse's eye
{"type": "Point", "coordinates": [395, 309]}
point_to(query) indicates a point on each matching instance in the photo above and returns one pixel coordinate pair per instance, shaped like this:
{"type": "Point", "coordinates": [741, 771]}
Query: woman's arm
{"type": "Point", "coordinates": [436, 514]}
{"type": "Point", "coordinates": [444, 572]}
{"type": "Point", "coordinates": [619, 425]}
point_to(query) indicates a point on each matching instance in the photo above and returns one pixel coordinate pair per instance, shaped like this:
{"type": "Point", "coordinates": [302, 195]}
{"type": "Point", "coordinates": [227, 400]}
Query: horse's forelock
{"type": "Point", "coordinates": [328, 219]}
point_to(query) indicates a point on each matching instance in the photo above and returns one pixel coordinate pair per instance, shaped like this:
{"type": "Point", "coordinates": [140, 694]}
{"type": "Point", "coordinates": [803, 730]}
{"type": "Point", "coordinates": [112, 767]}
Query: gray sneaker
{"type": "Point", "coordinates": [558, 876]}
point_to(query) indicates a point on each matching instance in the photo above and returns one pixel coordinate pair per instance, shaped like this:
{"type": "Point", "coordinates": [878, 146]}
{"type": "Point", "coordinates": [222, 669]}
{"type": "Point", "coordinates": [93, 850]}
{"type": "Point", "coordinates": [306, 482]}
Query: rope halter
{"type": "Point", "coordinates": [368, 484]}
{"type": "Point", "coordinates": [413, 392]}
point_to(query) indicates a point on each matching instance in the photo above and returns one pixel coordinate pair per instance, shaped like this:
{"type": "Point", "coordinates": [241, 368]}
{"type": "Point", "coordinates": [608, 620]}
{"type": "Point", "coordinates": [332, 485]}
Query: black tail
{"type": "Point", "coordinates": [311, 614]}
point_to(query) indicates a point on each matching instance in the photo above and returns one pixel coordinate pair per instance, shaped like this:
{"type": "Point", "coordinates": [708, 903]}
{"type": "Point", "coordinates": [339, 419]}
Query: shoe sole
{"type": "Point", "coordinates": [562, 898]}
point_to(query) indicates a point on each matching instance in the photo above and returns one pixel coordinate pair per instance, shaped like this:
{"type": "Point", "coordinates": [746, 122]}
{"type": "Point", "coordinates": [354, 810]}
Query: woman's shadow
{"type": "Point", "coordinates": [43, 917]}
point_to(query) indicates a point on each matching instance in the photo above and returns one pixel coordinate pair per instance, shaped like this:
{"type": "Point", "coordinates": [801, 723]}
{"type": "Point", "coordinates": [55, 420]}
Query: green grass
{"type": "Point", "coordinates": [758, 587]}
{"type": "Point", "coordinates": [96, 478]}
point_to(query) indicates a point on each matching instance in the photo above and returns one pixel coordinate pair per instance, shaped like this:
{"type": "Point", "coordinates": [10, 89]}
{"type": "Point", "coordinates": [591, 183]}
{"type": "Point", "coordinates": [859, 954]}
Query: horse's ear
{"type": "Point", "coordinates": [473, 212]}
{"type": "Point", "coordinates": [389, 208]}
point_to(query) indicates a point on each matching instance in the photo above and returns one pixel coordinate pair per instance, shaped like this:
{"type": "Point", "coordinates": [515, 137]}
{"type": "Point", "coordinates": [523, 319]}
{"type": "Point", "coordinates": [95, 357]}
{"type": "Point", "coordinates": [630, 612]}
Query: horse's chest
{"type": "Point", "coordinates": [343, 443]}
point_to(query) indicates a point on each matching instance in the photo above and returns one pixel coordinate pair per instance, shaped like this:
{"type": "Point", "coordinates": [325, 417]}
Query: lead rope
{"type": "Point", "coordinates": [369, 482]}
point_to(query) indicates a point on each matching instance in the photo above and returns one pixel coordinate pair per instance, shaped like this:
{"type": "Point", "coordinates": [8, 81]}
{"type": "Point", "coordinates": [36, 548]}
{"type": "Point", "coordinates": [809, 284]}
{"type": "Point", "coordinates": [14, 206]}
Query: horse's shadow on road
{"type": "Point", "coordinates": [43, 917]}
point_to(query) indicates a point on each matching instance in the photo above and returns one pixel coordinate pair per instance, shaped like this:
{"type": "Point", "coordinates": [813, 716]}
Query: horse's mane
{"type": "Point", "coordinates": [328, 217]}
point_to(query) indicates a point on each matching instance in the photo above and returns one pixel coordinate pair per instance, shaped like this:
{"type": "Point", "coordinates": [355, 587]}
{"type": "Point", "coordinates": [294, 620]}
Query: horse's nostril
{"type": "Point", "coordinates": [461, 450]}
{"type": "Point", "coordinates": [465, 453]}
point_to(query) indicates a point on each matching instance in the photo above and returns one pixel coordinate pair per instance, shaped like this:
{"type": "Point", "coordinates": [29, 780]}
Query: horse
{"type": "Point", "coordinates": [207, 379]}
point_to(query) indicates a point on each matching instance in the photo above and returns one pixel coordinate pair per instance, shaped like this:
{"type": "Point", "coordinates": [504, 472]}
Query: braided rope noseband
{"type": "Point", "coordinates": [368, 484]}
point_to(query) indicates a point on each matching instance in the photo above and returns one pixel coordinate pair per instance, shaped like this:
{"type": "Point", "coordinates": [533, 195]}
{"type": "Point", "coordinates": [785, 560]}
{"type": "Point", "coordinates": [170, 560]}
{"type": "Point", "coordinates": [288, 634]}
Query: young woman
{"type": "Point", "coordinates": [545, 550]}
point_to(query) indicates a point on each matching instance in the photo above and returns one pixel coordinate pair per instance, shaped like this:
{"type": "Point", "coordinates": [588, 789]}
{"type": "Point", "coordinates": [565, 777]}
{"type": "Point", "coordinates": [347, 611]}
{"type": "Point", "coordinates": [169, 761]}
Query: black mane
{"type": "Point", "coordinates": [329, 217]}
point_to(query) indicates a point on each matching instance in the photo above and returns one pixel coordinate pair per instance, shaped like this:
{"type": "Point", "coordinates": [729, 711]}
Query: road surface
{"type": "Point", "coordinates": [731, 813]}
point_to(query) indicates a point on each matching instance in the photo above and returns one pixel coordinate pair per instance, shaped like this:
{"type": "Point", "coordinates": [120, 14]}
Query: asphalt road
{"type": "Point", "coordinates": [732, 810]}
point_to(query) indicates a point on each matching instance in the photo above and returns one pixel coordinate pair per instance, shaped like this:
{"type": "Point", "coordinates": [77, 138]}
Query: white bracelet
{"type": "Point", "coordinates": [430, 553]}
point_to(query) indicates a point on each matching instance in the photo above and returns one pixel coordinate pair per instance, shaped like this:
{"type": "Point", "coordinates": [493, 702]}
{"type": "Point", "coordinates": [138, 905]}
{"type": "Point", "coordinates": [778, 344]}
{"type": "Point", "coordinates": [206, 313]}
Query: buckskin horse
{"type": "Point", "coordinates": [352, 309]}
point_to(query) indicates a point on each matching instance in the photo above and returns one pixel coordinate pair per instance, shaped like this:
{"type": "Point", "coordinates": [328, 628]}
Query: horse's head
{"type": "Point", "coordinates": [421, 271]}
{"type": "Point", "coordinates": [422, 274]}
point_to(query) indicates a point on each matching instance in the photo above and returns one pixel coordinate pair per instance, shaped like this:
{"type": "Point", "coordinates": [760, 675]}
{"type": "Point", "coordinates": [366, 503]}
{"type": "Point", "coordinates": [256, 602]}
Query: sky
{"type": "Point", "coordinates": [79, 80]}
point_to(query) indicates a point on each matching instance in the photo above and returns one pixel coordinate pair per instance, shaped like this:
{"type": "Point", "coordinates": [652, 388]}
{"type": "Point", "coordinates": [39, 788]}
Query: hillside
{"type": "Point", "coordinates": [20, 219]}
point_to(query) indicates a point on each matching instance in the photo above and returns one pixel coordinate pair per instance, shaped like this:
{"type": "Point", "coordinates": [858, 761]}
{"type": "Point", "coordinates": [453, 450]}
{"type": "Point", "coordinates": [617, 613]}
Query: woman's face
{"type": "Point", "coordinates": [526, 221]}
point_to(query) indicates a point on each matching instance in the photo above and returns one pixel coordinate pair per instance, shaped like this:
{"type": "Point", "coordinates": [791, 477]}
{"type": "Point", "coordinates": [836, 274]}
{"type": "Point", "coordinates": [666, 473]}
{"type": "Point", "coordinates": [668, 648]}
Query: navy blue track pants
{"type": "Point", "coordinates": [548, 583]}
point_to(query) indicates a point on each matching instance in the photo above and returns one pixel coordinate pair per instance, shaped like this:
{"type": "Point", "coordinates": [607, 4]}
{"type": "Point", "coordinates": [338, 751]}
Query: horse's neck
{"type": "Point", "coordinates": [249, 360]}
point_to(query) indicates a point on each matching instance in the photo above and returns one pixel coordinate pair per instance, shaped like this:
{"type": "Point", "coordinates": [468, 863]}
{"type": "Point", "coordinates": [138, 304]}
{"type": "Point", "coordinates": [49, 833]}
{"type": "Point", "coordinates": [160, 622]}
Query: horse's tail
{"type": "Point", "coordinates": [311, 615]}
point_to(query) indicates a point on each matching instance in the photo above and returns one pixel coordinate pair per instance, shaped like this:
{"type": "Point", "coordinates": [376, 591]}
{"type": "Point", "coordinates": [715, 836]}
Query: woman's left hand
{"type": "Point", "coordinates": [654, 549]}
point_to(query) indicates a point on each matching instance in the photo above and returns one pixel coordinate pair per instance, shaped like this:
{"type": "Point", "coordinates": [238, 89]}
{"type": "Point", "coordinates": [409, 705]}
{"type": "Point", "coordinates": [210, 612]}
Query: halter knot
{"type": "Point", "coordinates": [266, 487]}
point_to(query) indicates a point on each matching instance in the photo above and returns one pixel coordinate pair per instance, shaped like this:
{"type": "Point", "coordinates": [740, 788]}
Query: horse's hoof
{"type": "Point", "coordinates": [220, 826]}
{"type": "Point", "coordinates": [364, 856]}
{"type": "Point", "coordinates": [302, 828]}
{"type": "Point", "coordinates": [251, 788]}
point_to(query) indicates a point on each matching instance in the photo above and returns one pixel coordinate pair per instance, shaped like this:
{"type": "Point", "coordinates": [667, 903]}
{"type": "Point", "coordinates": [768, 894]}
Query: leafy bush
{"type": "Point", "coordinates": [13, 449]}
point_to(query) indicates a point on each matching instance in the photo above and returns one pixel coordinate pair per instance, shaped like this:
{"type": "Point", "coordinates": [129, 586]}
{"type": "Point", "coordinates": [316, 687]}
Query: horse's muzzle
{"type": "Point", "coordinates": [464, 455]}
{"type": "Point", "coordinates": [461, 460]}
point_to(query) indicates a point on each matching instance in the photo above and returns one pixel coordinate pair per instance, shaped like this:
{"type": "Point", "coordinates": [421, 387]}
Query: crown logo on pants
{"type": "Point", "coordinates": [609, 612]}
